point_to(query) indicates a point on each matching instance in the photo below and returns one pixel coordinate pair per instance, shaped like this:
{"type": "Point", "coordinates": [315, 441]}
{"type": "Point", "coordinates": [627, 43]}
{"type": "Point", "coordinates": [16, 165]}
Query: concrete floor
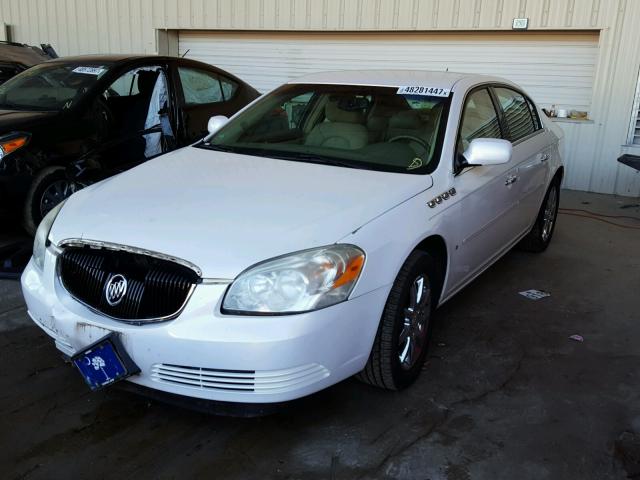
{"type": "Point", "coordinates": [505, 393]}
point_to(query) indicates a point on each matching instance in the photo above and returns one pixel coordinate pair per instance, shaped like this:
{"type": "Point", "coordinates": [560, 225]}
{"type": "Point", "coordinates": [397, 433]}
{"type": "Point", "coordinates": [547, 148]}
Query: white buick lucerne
{"type": "Point", "coordinates": [307, 239]}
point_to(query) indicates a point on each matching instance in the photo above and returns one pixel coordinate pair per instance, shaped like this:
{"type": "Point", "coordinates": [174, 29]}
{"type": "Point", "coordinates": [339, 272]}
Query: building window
{"type": "Point", "coordinates": [634, 129]}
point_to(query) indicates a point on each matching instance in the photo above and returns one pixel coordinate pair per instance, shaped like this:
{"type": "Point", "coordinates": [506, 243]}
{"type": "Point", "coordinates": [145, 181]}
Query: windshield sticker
{"type": "Point", "coordinates": [89, 70]}
{"type": "Point", "coordinates": [415, 163]}
{"type": "Point", "coordinates": [421, 90]}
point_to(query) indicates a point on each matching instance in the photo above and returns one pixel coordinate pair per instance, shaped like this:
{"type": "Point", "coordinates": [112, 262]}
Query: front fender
{"type": "Point", "coordinates": [389, 239]}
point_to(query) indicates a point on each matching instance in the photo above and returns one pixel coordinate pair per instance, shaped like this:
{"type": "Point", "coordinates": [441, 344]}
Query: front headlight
{"type": "Point", "coordinates": [298, 282]}
{"type": "Point", "coordinates": [11, 143]}
{"type": "Point", "coordinates": [42, 235]}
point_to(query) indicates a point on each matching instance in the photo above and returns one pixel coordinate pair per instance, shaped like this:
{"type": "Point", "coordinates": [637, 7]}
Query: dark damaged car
{"type": "Point", "coordinates": [17, 57]}
{"type": "Point", "coordinates": [70, 122]}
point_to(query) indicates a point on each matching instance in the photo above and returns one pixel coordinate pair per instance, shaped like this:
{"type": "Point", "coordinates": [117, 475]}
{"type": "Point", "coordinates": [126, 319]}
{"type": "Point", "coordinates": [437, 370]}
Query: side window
{"type": "Point", "coordinates": [479, 119]}
{"type": "Point", "coordinates": [132, 103]}
{"type": "Point", "coordinates": [134, 82]}
{"type": "Point", "coordinates": [295, 109]}
{"type": "Point", "coordinates": [200, 87]}
{"type": "Point", "coordinates": [229, 87]}
{"type": "Point", "coordinates": [517, 113]}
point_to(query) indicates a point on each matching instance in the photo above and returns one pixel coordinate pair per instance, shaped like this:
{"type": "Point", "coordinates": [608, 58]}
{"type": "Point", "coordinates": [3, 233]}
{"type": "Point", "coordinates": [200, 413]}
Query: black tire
{"type": "Point", "coordinates": [42, 182]}
{"type": "Point", "coordinates": [539, 238]}
{"type": "Point", "coordinates": [384, 368]}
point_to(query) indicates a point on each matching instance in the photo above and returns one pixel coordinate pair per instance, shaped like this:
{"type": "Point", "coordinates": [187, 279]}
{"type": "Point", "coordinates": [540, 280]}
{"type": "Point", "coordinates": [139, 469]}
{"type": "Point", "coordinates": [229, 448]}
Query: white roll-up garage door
{"type": "Point", "coordinates": [553, 68]}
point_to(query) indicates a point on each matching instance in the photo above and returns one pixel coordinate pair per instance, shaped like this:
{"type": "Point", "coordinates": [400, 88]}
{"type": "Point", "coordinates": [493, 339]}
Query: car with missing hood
{"type": "Point", "coordinates": [70, 122]}
{"type": "Point", "coordinates": [307, 239]}
{"type": "Point", "coordinates": [17, 57]}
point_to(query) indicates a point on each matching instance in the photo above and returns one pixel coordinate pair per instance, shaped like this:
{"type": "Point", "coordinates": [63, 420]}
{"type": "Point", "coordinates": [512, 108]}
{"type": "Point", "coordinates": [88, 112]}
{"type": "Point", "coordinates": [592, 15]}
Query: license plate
{"type": "Point", "coordinates": [104, 362]}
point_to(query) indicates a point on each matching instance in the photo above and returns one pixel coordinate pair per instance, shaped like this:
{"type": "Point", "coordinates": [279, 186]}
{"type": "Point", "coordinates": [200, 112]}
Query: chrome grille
{"type": "Point", "coordinates": [156, 290]}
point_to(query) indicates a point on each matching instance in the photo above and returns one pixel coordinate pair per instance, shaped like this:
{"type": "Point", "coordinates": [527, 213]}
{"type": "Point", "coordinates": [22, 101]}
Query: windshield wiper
{"type": "Point", "coordinates": [314, 158]}
{"type": "Point", "coordinates": [12, 106]}
{"type": "Point", "coordinates": [219, 148]}
{"type": "Point", "coordinates": [283, 155]}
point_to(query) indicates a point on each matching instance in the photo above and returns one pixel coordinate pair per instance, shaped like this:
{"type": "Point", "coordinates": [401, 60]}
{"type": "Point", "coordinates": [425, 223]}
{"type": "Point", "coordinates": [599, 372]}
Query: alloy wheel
{"type": "Point", "coordinates": [549, 216]}
{"type": "Point", "coordinates": [55, 193]}
{"type": "Point", "coordinates": [412, 337]}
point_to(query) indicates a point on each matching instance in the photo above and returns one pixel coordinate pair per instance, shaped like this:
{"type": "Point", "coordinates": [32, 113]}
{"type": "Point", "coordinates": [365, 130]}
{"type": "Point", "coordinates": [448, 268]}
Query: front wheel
{"type": "Point", "coordinates": [49, 187]}
{"type": "Point", "coordinates": [401, 343]}
{"type": "Point", "coordinates": [539, 238]}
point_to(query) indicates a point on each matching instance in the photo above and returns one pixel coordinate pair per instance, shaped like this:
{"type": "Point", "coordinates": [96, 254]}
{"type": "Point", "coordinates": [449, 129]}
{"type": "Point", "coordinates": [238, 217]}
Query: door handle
{"type": "Point", "coordinates": [511, 179]}
{"type": "Point", "coordinates": [544, 157]}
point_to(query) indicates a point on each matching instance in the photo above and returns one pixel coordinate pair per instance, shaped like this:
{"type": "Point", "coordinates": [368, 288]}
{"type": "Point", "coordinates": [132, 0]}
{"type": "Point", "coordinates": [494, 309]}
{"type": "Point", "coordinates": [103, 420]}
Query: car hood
{"type": "Point", "coordinates": [225, 212]}
{"type": "Point", "coordinates": [17, 120]}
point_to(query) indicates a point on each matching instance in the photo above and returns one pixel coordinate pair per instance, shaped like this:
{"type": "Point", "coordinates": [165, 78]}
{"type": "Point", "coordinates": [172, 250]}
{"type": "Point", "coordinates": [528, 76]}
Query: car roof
{"type": "Point", "coordinates": [123, 59]}
{"type": "Point", "coordinates": [110, 58]}
{"type": "Point", "coordinates": [396, 78]}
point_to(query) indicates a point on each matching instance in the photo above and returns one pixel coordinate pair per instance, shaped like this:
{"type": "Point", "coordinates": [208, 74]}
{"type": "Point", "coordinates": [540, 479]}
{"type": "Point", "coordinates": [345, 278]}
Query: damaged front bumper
{"type": "Point", "coordinates": [208, 355]}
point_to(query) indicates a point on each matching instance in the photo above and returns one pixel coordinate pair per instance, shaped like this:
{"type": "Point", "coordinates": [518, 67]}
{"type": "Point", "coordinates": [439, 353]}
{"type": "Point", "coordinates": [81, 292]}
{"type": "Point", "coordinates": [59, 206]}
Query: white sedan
{"type": "Point", "coordinates": [306, 240]}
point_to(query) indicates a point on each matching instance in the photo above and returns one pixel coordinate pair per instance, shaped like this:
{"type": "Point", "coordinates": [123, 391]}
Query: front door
{"type": "Point", "coordinates": [488, 196]}
{"type": "Point", "coordinates": [128, 117]}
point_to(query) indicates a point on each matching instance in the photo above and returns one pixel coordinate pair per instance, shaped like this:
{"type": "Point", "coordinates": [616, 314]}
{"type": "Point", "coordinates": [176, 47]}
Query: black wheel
{"type": "Point", "coordinates": [49, 187]}
{"type": "Point", "coordinates": [538, 239]}
{"type": "Point", "coordinates": [402, 340]}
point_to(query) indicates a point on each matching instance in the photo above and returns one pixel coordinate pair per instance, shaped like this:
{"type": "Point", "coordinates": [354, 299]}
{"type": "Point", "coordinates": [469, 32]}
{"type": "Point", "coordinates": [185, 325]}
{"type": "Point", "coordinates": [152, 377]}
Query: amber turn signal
{"type": "Point", "coordinates": [13, 144]}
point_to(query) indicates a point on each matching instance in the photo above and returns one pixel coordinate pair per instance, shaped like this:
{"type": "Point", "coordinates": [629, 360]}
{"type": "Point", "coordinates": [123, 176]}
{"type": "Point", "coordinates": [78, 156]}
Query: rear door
{"type": "Point", "coordinates": [204, 93]}
{"type": "Point", "coordinates": [531, 153]}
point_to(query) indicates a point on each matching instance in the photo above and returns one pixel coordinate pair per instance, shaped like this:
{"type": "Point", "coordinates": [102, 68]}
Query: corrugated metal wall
{"type": "Point", "coordinates": [83, 26]}
{"type": "Point", "coordinates": [78, 26]}
{"type": "Point", "coordinates": [378, 14]}
{"type": "Point", "coordinates": [89, 26]}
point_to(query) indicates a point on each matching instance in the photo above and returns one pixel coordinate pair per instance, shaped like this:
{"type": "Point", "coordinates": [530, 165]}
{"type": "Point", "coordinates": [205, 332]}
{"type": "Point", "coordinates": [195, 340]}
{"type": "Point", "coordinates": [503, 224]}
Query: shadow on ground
{"type": "Point", "coordinates": [15, 251]}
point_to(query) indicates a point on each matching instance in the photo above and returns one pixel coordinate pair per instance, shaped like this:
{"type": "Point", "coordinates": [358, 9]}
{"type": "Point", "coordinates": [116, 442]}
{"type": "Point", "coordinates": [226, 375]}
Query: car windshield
{"type": "Point", "coordinates": [50, 86]}
{"type": "Point", "coordinates": [375, 128]}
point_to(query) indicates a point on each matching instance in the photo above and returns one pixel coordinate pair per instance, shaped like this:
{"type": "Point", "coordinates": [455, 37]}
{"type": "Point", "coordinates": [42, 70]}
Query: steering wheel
{"type": "Point", "coordinates": [420, 141]}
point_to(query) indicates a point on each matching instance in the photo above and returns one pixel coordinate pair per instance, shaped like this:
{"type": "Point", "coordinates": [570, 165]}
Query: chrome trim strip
{"type": "Point", "coordinates": [54, 249]}
{"type": "Point", "coordinates": [82, 242]}
{"type": "Point", "coordinates": [216, 281]}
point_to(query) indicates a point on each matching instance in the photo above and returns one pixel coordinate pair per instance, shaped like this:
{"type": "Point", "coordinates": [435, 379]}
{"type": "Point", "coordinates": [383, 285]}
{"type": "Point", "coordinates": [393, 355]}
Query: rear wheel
{"type": "Point", "coordinates": [402, 340]}
{"type": "Point", "coordinates": [50, 187]}
{"type": "Point", "coordinates": [539, 238]}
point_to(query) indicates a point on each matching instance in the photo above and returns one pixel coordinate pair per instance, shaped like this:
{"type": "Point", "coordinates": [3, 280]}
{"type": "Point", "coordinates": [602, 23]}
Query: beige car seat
{"type": "Point", "coordinates": [343, 129]}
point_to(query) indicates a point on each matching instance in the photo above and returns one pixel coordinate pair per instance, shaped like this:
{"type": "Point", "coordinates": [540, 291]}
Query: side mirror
{"type": "Point", "coordinates": [216, 123]}
{"type": "Point", "coordinates": [488, 151]}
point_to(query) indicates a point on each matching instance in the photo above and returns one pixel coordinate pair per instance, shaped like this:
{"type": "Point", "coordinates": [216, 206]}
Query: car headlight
{"type": "Point", "coordinates": [42, 235]}
{"type": "Point", "coordinates": [298, 282]}
{"type": "Point", "coordinates": [11, 143]}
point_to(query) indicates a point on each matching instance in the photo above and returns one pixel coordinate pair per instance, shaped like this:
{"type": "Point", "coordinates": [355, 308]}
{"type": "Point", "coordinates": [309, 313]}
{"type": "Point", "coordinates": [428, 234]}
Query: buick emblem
{"type": "Point", "coordinates": [115, 289]}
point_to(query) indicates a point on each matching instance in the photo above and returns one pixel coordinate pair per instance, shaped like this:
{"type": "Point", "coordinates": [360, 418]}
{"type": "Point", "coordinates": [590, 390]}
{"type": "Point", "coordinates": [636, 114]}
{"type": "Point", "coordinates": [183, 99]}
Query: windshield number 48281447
{"type": "Point", "coordinates": [422, 90]}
